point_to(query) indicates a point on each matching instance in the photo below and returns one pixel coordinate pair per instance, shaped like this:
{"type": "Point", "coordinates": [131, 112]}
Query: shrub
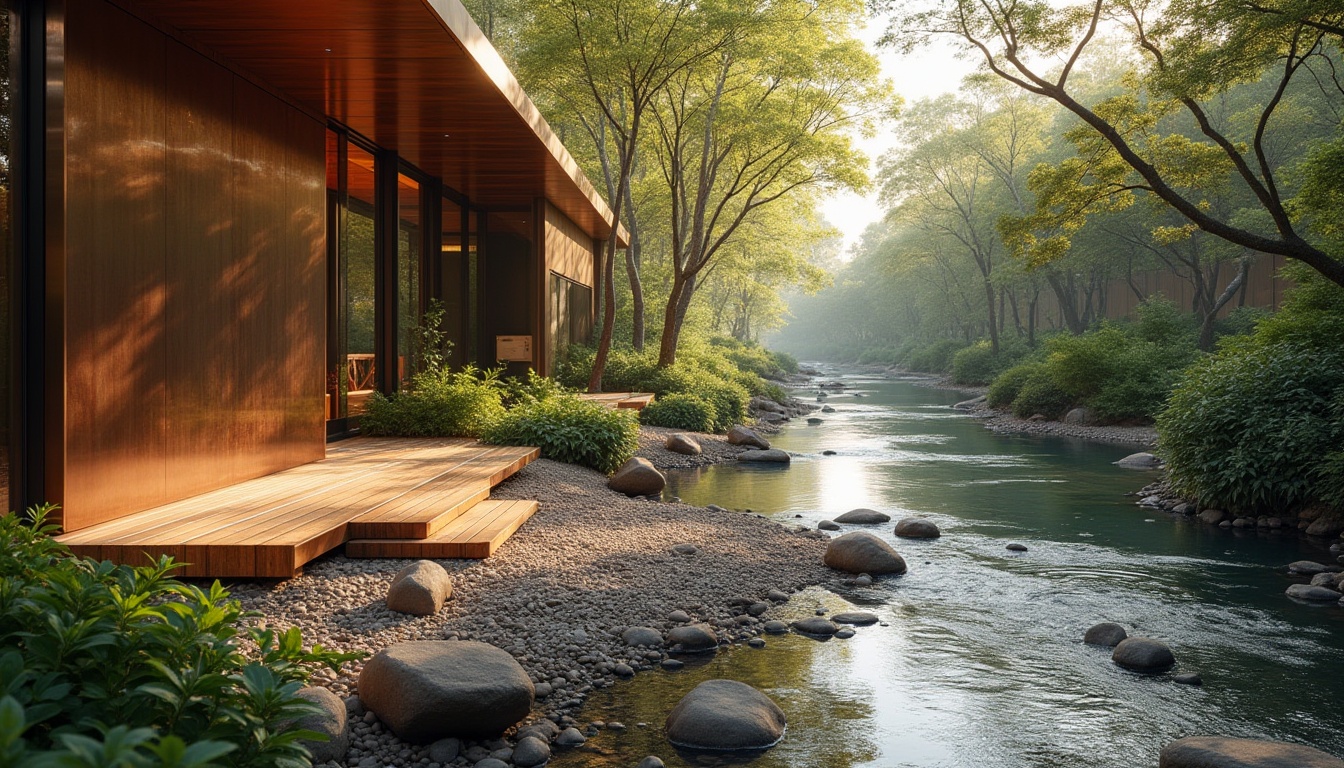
{"type": "Point", "coordinates": [714, 380]}
{"type": "Point", "coordinates": [680, 412]}
{"type": "Point", "coordinates": [1040, 394]}
{"type": "Point", "coordinates": [1119, 374]}
{"type": "Point", "coordinates": [1006, 386]}
{"type": "Point", "coordinates": [530, 389]}
{"type": "Point", "coordinates": [438, 403]}
{"type": "Point", "coordinates": [569, 429]}
{"type": "Point", "coordinates": [88, 645]}
{"type": "Point", "coordinates": [933, 358]}
{"type": "Point", "coordinates": [978, 364]}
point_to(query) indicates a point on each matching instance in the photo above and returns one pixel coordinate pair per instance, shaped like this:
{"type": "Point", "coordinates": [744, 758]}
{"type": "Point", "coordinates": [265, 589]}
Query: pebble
{"type": "Point", "coordinates": [570, 737]}
{"type": "Point", "coordinates": [672, 665]}
{"type": "Point", "coordinates": [1015, 547]}
{"type": "Point", "coordinates": [1188, 678]}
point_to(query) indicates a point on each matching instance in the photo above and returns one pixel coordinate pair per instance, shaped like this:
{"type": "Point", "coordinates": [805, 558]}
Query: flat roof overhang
{"type": "Point", "coordinates": [415, 76]}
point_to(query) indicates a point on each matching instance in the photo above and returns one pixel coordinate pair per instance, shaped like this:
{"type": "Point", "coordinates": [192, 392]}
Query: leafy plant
{"type": "Point", "coordinates": [1006, 386]}
{"type": "Point", "coordinates": [680, 411]}
{"type": "Point", "coordinates": [110, 665]}
{"type": "Point", "coordinates": [530, 389]}
{"type": "Point", "coordinates": [980, 364]}
{"type": "Point", "coordinates": [438, 403]}
{"type": "Point", "coordinates": [569, 429]}
{"type": "Point", "coordinates": [430, 345]}
{"type": "Point", "coordinates": [1040, 394]}
{"type": "Point", "coordinates": [712, 378]}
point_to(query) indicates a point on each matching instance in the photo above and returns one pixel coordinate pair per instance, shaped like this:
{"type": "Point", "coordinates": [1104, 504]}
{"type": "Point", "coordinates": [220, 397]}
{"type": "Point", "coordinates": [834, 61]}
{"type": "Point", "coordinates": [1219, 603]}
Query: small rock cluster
{"type": "Point", "coordinates": [1137, 654]}
{"type": "Point", "coordinates": [1311, 521]}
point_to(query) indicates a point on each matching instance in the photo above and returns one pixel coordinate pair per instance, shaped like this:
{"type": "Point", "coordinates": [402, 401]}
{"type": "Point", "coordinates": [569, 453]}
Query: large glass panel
{"type": "Point", "coordinates": [8, 121]}
{"type": "Point", "coordinates": [452, 274]}
{"type": "Point", "coordinates": [357, 248]}
{"type": "Point", "coordinates": [409, 240]}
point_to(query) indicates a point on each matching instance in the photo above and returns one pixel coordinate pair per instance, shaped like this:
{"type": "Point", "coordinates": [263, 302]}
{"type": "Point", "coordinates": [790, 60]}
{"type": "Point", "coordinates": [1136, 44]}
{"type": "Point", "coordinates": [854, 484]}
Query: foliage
{"type": "Point", "coordinates": [1006, 386]}
{"type": "Point", "coordinates": [933, 358]}
{"type": "Point", "coordinates": [438, 403]}
{"type": "Point", "coordinates": [430, 345]}
{"type": "Point", "coordinates": [979, 364]}
{"type": "Point", "coordinates": [1040, 394]}
{"type": "Point", "coordinates": [680, 411]}
{"type": "Point", "coordinates": [109, 665]}
{"type": "Point", "coordinates": [532, 388]}
{"type": "Point", "coordinates": [569, 429]}
{"type": "Point", "coordinates": [1119, 374]}
{"type": "Point", "coordinates": [1257, 427]}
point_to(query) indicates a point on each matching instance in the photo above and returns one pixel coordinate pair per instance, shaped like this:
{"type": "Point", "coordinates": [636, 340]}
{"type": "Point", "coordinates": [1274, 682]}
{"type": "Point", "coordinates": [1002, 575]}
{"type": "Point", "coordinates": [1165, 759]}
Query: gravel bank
{"type": "Point", "coordinates": [715, 448]}
{"type": "Point", "coordinates": [557, 595]}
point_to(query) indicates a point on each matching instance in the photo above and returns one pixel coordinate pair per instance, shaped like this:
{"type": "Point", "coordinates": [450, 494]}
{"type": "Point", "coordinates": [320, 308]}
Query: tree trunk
{"type": "Point", "coordinates": [1068, 305]}
{"type": "Point", "coordinates": [608, 314]}
{"type": "Point", "coordinates": [1210, 317]}
{"type": "Point", "coordinates": [993, 319]}
{"type": "Point", "coordinates": [633, 255]}
{"type": "Point", "coordinates": [677, 303]}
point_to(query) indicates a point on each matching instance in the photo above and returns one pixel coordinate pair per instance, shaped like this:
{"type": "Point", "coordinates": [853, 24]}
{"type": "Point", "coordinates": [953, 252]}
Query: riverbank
{"type": "Point", "coordinates": [557, 595]}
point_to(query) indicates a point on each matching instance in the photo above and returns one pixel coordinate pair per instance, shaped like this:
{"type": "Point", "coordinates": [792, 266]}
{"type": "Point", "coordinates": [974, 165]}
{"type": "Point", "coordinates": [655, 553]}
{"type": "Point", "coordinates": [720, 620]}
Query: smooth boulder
{"type": "Point", "coordinates": [642, 636]}
{"type": "Point", "coordinates": [330, 721]}
{"type": "Point", "coordinates": [815, 626]}
{"type": "Point", "coordinates": [425, 690]}
{"type": "Point", "coordinates": [1314, 594]}
{"type": "Point", "coordinates": [828, 525]}
{"type": "Point", "coordinates": [917, 528]}
{"type": "Point", "coordinates": [682, 444]}
{"type": "Point", "coordinates": [530, 751]}
{"type": "Point", "coordinates": [771, 456]}
{"type": "Point", "coordinates": [637, 477]}
{"type": "Point", "coordinates": [1107, 633]}
{"type": "Point", "coordinates": [1078, 416]}
{"type": "Point", "coordinates": [1143, 654]}
{"type": "Point", "coordinates": [725, 715]}
{"type": "Point", "coordinates": [419, 589]}
{"type": "Point", "coordinates": [862, 552]}
{"type": "Point", "coordinates": [857, 618]}
{"type": "Point", "coordinates": [1142, 460]}
{"type": "Point", "coordinates": [740, 435]}
{"type": "Point", "coordinates": [693, 638]}
{"type": "Point", "coordinates": [1223, 752]}
{"type": "Point", "coordinates": [863, 516]}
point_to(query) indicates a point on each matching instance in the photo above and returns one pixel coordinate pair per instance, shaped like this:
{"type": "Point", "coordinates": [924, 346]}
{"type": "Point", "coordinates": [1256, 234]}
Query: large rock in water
{"type": "Point", "coordinates": [329, 722]}
{"type": "Point", "coordinates": [1315, 594]}
{"type": "Point", "coordinates": [1143, 654]}
{"type": "Point", "coordinates": [772, 456]}
{"type": "Point", "coordinates": [862, 552]}
{"type": "Point", "coordinates": [1139, 461]}
{"type": "Point", "coordinates": [428, 689]}
{"type": "Point", "coordinates": [1222, 752]}
{"type": "Point", "coordinates": [693, 638]}
{"type": "Point", "coordinates": [419, 589]}
{"type": "Point", "coordinates": [725, 715]}
{"type": "Point", "coordinates": [682, 444]}
{"type": "Point", "coordinates": [740, 435]}
{"type": "Point", "coordinates": [863, 516]}
{"type": "Point", "coordinates": [637, 477]}
{"type": "Point", "coordinates": [1107, 633]}
{"type": "Point", "coordinates": [917, 528]}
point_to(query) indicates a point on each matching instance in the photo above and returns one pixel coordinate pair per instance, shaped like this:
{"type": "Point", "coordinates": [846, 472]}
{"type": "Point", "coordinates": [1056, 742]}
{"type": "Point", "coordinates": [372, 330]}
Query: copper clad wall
{"type": "Point", "coordinates": [194, 330]}
{"type": "Point", "coordinates": [569, 252]}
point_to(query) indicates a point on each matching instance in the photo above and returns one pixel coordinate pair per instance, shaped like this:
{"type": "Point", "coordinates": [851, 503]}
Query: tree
{"type": "Point", "coordinates": [762, 118]}
{"type": "Point", "coordinates": [1120, 150]}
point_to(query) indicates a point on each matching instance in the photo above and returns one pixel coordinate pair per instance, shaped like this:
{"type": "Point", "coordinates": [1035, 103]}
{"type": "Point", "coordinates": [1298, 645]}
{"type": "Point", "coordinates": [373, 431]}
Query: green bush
{"type": "Point", "coordinates": [1118, 373]}
{"type": "Point", "coordinates": [933, 358]}
{"type": "Point", "coordinates": [1258, 426]}
{"type": "Point", "coordinates": [1040, 394]}
{"type": "Point", "coordinates": [978, 364]}
{"type": "Point", "coordinates": [569, 429]}
{"type": "Point", "coordinates": [1006, 386]}
{"type": "Point", "coordinates": [530, 389]}
{"type": "Point", "coordinates": [107, 665]}
{"type": "Point", "coordinates": [438, 403]}
{"type": "Point", "coordinates": [680, 412]}
{"type": "Point", "coordinates": [713, 379]}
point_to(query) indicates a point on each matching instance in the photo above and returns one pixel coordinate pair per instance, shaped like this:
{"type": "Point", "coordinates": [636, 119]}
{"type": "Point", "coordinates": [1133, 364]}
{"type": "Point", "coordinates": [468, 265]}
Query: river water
{"type": "Point", "coordinates": [980, 662]}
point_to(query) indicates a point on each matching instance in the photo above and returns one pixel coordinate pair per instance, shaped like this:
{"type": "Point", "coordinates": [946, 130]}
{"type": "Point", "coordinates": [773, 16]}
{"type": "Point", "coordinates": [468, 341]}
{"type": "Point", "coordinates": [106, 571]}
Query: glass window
{"type": "Point", "coordinates": [410, 237]}
{"type": "Point", "coordinates": [352, 379]}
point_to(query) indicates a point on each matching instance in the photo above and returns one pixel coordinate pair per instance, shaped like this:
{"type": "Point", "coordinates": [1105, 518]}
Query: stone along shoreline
{"type": "Point", "coordinates": [557, 596]}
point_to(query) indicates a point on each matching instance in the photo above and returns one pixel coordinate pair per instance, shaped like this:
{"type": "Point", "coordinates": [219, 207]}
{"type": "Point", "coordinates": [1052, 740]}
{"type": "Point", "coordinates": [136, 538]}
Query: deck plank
{"type": "Point", "coordinates": [476, 534]}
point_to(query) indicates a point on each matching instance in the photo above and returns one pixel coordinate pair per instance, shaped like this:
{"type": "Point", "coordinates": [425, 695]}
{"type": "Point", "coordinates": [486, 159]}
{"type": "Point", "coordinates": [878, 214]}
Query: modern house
{"type": "Point", "coordinates": [223, 218]}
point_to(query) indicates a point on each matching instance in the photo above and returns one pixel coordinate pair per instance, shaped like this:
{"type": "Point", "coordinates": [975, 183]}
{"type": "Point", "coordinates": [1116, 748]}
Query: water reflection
{"type": "Point", "coordinates": [980, 662]}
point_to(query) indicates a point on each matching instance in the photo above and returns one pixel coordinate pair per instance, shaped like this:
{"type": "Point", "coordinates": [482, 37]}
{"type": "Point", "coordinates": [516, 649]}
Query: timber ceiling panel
{"type": "Point", "coordinates": [415, 76]}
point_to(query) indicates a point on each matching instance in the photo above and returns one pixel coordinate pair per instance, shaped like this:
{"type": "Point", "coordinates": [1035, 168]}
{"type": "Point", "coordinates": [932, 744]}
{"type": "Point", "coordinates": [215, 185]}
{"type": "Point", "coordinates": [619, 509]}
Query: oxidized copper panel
{"type": "Point", "coordinates": [116, 297]}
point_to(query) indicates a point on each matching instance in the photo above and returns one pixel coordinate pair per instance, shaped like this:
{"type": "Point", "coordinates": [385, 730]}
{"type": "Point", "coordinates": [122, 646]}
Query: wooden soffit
{"type": "Point", "coordinates": [415, 76]}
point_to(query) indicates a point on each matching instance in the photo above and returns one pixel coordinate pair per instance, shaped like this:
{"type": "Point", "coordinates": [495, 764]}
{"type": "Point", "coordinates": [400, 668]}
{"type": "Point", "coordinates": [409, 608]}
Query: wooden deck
{"type": "Point", "coordinates": [405, 490]}
{"type": "Point", "coordinates": [635, 400]}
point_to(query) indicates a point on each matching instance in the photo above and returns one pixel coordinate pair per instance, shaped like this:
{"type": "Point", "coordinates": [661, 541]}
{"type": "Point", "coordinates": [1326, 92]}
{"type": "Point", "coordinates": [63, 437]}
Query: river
{"type": "Point", "coordinates": [979, 661]}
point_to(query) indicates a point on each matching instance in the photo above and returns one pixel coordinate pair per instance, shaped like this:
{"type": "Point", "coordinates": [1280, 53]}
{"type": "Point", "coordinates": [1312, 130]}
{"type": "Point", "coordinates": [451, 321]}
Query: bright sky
{"type": "Point", "coordinates": [918, 76]}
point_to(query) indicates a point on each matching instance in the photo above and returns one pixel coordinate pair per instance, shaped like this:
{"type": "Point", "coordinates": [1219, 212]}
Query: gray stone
{"type": "Point", "coordinates": [771, 456]}
{"type": "Point", "coordinates": [444, 751]}
{"type": "Point", "coordinates": [857, 618]}
{"type": "Point", "coordinates": [425, 690]}
{"type": "Point", "coordinates": [757, 609]}
{"type": "Point", "coordinates": [775, 627]}
{"type": "Point", "coordinates": [330, 721]}
{"type": "Point", "coordinates": [1015, 547]}
{"type": "Point", "coordinates": [740, 435]}
{"type": "Point", "coordinates": [917, 528]}
{"type": "Point", "coordinates": [1078, 416]}
{"type": "Point", "coordinates": [864, 580]}
{"type": "Point", "coordinates": [680, 617]}
{"type": "Point", "coordinates": [777, 596]}
{"type": "Point", "coordinates": [531, 751]}
{"type": "Point", "coordinates": [863, 517]}
{"type": "Point", "coordinates": [637, 477]}
{"type": "Point", "coordinates": [1310, 568]}
{"type": "Point", "coordinates": [1314, 594]}
{"type": "Point", "coordinates": [862, 552]}
{"type": "Point", "coordinates": [672, 665]}
{"type": "Point", "coordinates": [685, 548]}
{"type": "Point", "coordinates": [543, 729]}
{"type": "Point", "coordinates": [725, 715]}
{"type": "Point", "coordinates": [1326, 525]}
{"type": "Point", "coordinates": [756, 642]}
{"type": "Point", "coordinates": [1212, 516]}
{"type": "Point", "coordinates": [827, 409]}
{"type": "Point", "coordinates": [570, 737]}
{"type": "Point", "coordinates": [652, 761]}
{"type": "Point", "coordinates": [1142, 460]}
{"type": "Point", "coordinates": [844, 633]}
{"type": "Point", "coordinates": [814, 421]}
{"type": "Point", "coordinates": [642, 636]}
{"type": "Point", "coordinates": [492, 762]}
{"type": "Point", "coordinates": [682, 444]}
{"type": "Point", "coordinates": [1107, 633]}
{"type": "Point", "coordinates": [816, 626]}
{"type": "Point", "coordinates": [419, 589]}
{"type": "Point", "coordinates": [1223, 752]}
{"type": "Point", "coordinates": [623, 670]}
{"type": "Point", "coordinates": [828, 525]}
{"type": "Point", "coordinates": [693, 638]}
{"type": "Point", "coordinates": [1143, 654]}
{"type": "Point", "coordinates": [1188, 678]}
{"type": "Point", "coordinates": [1325, 580]}
{"type": "Point", "coordinates": [542, 690]}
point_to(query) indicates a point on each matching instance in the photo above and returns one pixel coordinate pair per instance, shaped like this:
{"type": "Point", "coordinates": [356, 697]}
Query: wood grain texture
{"type": "Point", "coordinates": [476, 534]}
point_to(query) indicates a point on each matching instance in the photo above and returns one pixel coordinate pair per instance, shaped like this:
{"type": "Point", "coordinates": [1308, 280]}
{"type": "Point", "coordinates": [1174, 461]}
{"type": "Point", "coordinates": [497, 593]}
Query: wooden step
{"type": "Point", "coordinates": [477, 533]}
